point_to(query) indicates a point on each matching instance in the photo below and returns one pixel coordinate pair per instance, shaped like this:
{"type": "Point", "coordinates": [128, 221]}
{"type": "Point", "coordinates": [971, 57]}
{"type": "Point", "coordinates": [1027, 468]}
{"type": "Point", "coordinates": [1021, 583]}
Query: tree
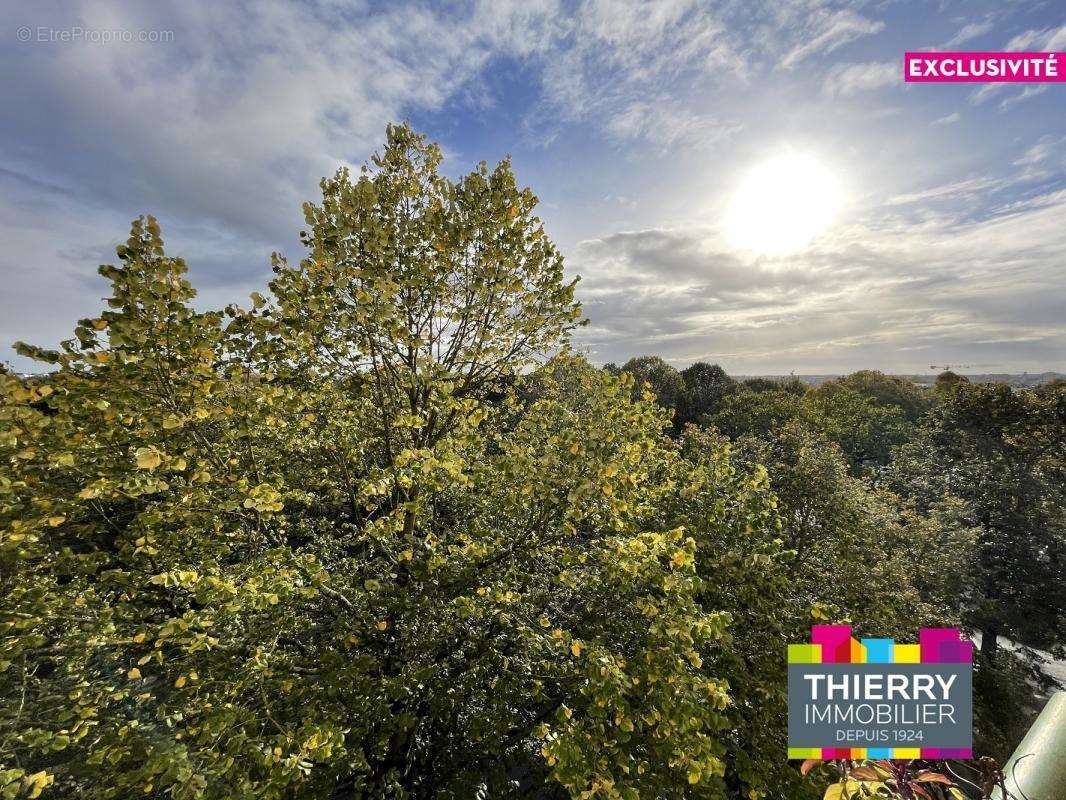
{"type": "Point", "coordinates": [704, 387]}
{"type": "Point", "coordinates": [1001, 453]}
{"type": "Point", "coordinates": [947, 379]}
{"type": "Point", "coordinates": [425, 291]}
{"type": "Point", "coordinates": [327, 548]}
{"type": "Point", "coordinates": [865, 430]}
{"type": "Point", "coordinates": [889, 390]}
{"type": "Point", "coordinates": [756, 412]}
{"type": "Point", "coordinates": [858, 552]}
{"type": "Point", "coordinates": [790, 385]}
{"type": "Point", "coordinates": [662, 379]}
{"type": "Point", "coordinates": [725, 502]}
{"type": "Point", "coordinates": [760, 384]}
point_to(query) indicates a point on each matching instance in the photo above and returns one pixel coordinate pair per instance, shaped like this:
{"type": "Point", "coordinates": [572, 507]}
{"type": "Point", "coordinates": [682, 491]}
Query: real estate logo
{"type": "Point", "coordinates": [878, 699]}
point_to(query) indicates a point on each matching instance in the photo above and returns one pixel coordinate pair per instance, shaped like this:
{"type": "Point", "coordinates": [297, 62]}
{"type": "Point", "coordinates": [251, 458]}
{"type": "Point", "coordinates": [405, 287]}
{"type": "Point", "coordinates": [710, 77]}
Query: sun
{"type": "Point", "coordinates": [782, 205]}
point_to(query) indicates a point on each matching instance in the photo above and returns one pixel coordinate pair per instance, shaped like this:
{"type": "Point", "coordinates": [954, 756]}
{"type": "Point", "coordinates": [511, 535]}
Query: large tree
{"type": "Point", "coordinates": [704, 387]}
{"type": "Point", "coordinates": [889, 390]}
{"type": "Point", "coordinates": [654, 374]}
{"type": "Point", "coordinates": [320, 548]}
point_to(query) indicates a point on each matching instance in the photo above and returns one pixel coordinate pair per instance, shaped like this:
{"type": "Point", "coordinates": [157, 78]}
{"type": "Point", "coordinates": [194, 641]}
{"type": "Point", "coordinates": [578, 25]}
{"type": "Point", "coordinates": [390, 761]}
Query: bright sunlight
{"type": "Point", "coordinates": [782, 205]}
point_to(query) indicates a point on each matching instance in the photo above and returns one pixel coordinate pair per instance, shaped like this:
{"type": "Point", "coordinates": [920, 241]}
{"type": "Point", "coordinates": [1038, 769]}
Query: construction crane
{"type": "Point", "coordinates": [947, 367]}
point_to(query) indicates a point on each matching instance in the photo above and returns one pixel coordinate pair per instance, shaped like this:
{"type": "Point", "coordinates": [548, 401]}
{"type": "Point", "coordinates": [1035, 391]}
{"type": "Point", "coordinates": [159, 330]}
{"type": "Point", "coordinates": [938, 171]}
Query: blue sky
{"type": "Point", "coordinates": [634, 123]}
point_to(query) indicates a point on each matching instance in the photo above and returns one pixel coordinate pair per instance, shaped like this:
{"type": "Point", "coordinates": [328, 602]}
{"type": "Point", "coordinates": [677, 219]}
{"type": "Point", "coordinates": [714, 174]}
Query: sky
{"type": "Point", "coordinates": [638, 125]}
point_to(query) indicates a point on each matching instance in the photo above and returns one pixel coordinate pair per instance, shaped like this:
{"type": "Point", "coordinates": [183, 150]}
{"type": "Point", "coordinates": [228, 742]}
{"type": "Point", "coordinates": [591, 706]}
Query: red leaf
{"type": "Point", "coordinates": [809, 764]}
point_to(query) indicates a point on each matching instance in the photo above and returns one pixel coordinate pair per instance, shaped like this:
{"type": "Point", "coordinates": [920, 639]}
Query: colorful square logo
{"type": "Point", "coordinates": [874, 698]}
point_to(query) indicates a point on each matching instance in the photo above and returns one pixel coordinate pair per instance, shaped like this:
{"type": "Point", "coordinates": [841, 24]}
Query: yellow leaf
{"type": "Point", "coordinates": [148, 458]}
{"type": "Point", "coordinates": [382, 625]}
{"type": "Point", "coordinates": [56, 521]}
{"type": "Point", "coordinates": [575, 648]}
{"type": "Point", "coordinates": [694, 777]}
{"type": "Point", "coordinates": [138, 638]}
{"type": "Point", "coordinates": [680, 558]}
{"type": "Point", "coordinates": [38, 781]}
{"type": "Point", "coordinates": [133, 674]}
{"type": "Point", "coordinates": [180, 681]}
{"type": "Point", "coordinates": [407, 555]}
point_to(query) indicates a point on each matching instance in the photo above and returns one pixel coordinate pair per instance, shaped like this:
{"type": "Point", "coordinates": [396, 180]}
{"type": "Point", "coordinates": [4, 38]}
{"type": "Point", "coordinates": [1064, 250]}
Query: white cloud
{"type": "Point", "coordinates": [1039, 40]}
{"type": "Point", "coordinates": [667, 124]}
{"type": "Point", "coordinates": [884, 291]}
{"type": "Point", "coordinates": [1049, 147]}
{"type": "Point", "coordinates": [1025, 94]}
{"type": "Point", "coordinates": [826, 30]}
{"type": "Point", "coordinates": [1044, 159]}
{"type": "Point", "coordinates": [956, 190]}
{"type": "Point", "coordinates": [847, 79]}
{"type": "Point", "coordinates": [968, 32]}
{"type": "Point", "coordinates": [985, 91]}
{"type": "Point", "coordinates": [949, 119]}
{"type": "Point", "coordinates": [613, 55]}
{"type": "Point", "coordinates": [240, 111]}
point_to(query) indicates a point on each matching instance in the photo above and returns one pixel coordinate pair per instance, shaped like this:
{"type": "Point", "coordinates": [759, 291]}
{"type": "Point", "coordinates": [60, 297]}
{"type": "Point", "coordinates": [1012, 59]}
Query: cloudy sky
{"type": "Point", "coordinates": [638, 125]}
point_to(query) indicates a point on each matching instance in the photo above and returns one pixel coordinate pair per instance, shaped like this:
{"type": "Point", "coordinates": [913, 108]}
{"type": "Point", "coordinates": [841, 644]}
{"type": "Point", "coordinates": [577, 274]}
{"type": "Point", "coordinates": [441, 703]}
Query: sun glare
{"type": "Point", "coordinates": [782, 204]}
